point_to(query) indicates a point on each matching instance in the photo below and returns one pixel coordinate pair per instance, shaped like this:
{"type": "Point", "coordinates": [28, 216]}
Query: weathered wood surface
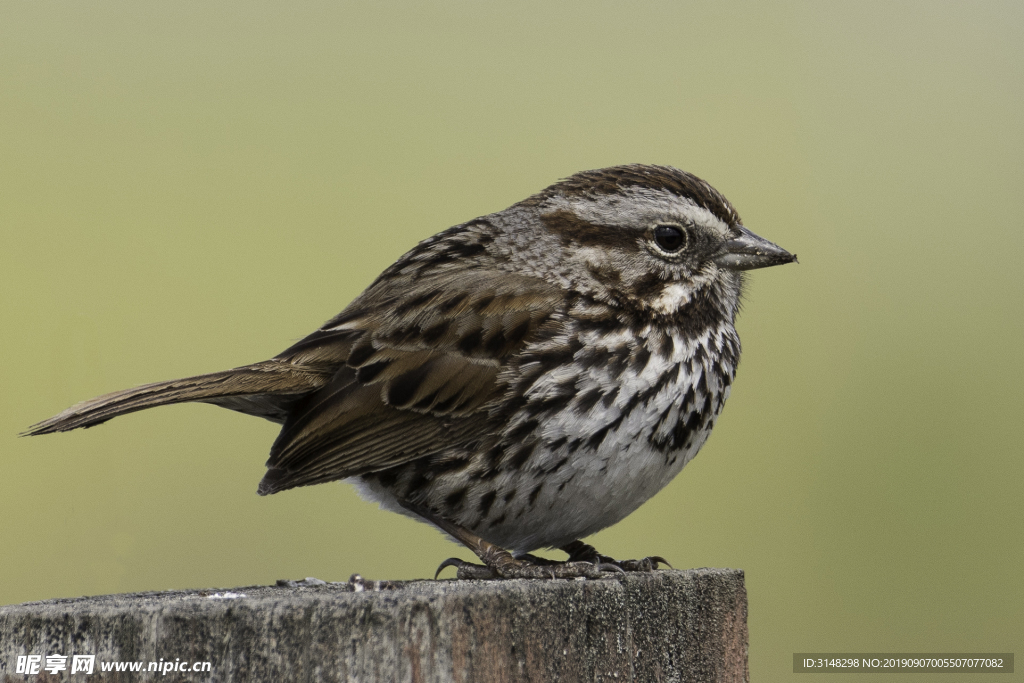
{"type": "Point", "coordinates": [664, 626]}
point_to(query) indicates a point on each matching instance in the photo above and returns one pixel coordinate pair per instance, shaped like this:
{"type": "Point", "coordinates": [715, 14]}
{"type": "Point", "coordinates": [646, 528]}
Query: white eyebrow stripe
{"type": "Point", "coordinates": [639, 207]}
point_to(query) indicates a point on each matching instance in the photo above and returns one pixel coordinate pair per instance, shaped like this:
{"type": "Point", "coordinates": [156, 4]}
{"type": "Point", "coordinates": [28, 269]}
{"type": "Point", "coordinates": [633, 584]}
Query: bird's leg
{"type": "Point", "coordinates": [579, 551]}
{"type": "Point", "coordinates": [499, 563]}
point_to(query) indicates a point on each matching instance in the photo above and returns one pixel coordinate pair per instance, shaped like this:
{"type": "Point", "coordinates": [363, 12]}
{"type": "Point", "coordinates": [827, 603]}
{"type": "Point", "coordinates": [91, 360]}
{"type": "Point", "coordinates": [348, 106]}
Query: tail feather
{"type": "Point", "coordinates": [264, 389]}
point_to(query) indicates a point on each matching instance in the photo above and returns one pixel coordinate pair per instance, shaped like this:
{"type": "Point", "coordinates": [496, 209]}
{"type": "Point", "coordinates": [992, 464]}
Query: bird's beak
{"type": "Point", "coordinates": [748, 251]}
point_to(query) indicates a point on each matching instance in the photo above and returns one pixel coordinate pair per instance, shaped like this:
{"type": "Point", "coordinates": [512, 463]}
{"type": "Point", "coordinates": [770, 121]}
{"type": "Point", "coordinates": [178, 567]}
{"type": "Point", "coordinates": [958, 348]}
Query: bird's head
{"type": "Point", "coordinates": [649, 238]}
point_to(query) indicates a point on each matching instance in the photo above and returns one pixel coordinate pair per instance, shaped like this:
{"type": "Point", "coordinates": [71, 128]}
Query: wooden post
{"type": "Point", "coordinates": [663, 626]}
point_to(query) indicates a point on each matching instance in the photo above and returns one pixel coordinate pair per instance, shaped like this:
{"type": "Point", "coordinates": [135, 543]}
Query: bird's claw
{"type": "Point", "coordinates": [581, 552]}
{"type": "Point", "coordinates": [646, 564]}
{"type": "Point", "coordinates": [584, 562]}
{"type": "Point", "coordinates": [518, 568]}
{"type": "Point", "coordinates": [466, 570]}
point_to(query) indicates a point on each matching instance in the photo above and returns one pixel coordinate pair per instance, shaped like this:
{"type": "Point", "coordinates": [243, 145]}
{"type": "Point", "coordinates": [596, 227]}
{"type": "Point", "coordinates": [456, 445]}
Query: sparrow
{"type": "Point", "coordinates": [519, 381]}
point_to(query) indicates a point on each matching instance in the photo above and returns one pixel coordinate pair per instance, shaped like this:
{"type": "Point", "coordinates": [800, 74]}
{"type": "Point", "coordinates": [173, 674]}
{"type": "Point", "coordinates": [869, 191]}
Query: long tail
{"type": "Point", "coordinates": [265, 389]}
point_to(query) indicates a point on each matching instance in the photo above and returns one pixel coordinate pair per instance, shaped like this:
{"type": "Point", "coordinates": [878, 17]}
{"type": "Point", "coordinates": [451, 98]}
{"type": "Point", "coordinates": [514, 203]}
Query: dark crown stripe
{"type": "Point", "coordinates": [606, 181]}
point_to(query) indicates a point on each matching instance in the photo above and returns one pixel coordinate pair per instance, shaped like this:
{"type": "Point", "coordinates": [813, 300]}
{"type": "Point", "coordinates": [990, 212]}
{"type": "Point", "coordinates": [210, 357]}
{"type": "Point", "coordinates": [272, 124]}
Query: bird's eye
{"type": "Point", "coordinates": [670, 238]}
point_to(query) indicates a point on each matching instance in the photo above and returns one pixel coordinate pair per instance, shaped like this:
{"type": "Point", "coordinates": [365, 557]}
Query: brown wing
{"type": "Point", "coordinates": [419, 367]}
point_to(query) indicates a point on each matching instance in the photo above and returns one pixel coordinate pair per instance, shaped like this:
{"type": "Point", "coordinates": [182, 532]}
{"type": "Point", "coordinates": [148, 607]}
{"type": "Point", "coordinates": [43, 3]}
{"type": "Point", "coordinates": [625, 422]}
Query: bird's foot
{"type": "Point", "coordinates": [584, 561]}
{"type": "Point", "coordinates": [501, 564]}
{"type": "Point", "coordinates": [581, 552]}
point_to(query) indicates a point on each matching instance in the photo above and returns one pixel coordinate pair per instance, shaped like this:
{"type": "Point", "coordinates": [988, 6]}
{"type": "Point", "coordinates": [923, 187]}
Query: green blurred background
{"type": "Point", "coordinates": [189, 186]}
